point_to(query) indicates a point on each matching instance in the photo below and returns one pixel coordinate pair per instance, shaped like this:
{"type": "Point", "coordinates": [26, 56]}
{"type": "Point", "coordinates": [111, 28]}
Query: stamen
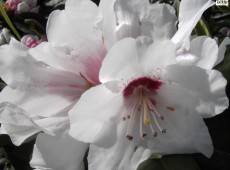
{"type": "Point", "coordinates": [129, 137]}
{"type": "Point", "coordinates": [151, 106]}
{"type": "Point", "coordinates": [157, 113]}
{"type": "Point", "coordinates": [170, 108]}
{"type": "Point", "coordinates": [139, 94]}
{"type": "Point", "coordinates": [153, 131]}
{"type": "Point", "coordinates": [142, 134]}
{"type": "Point", "coordinates": [131, 120]}
{"type": "Point", "coordinates": [157, 123]}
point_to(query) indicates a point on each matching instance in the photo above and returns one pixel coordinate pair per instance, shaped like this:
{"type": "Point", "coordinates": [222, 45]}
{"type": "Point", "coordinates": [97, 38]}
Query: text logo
{"type": "Point", "coordinates": [222, 2]}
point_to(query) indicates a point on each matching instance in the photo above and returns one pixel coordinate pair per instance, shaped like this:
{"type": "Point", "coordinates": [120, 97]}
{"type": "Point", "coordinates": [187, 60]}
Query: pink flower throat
{"type": "Point", "coordinates": [139, 97]}
{"type": "Point", "coordinates": [144, 82]}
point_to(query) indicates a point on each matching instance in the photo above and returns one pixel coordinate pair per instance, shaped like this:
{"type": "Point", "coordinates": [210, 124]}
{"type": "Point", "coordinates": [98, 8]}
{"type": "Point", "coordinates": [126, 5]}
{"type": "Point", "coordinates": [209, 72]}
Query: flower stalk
{"type": "Point", "coordinates": [8, 21]}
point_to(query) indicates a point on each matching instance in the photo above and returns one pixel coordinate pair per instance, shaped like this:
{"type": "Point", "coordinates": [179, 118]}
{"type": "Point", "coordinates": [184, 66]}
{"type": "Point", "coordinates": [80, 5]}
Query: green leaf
{"type": "Point", "coordinates": [19, 156]}
{"type": "Point", "coordinates": [170, 162]}
{"type": "Point", "coordinates": [202, 28]}
{"type": "Point", "coordinates": [224, 66]}
{"type": "Point", "coordinates": [224, 8]}
{"type": "Point", "coordinates": [151, 164]}
{"type": "Point", "coordinates": [176, 6]}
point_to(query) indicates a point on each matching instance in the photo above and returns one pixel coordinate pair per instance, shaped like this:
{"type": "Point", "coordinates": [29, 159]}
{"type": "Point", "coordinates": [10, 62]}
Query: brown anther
{"type": "Point", "coordinates": [129, 137]}
{"type": "Point", "coordinates": [128, 116]}
{"type": "Point", "coordinates": [140, 23]}
{"type": "Point", "coordinates": [170, 108]}
{"type": "Point", "coordinates": [164, 131]}
{"type": "Point", "coordinates": [155, 134]}
{"type": "Point", "coordinates": [162, 117]}
{"type": "Point", "coordinates": [143, 135]}
{"type": "Point", "coordinates": [124, 118]}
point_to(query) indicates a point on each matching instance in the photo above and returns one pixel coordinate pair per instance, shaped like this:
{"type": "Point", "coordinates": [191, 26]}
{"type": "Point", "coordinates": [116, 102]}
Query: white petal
{"type": "Point", "coordinates": [77, 24]}
{"type": "Point", "coordinates": [222, 49]}
{"type": "Point", "coordinates": [77, 60]}
{"type": "Point", "coordinates": [34, 84]}
{"type": "Point", "coordinates": [123, 155]}
{"type": "Point", "coordinates": [208, 87]}
{"type": "Point", "coordinates": [93, 118]}
{"type": "Point", "coordinates": [189, 14]}
{"type": "Point", "coordinates": [18, 69]}
{"type": "Point", "coordinates": [217, 102]}
{"type": "Point", "coordinates": [17, 124]}
{"type": "Point", "coordinates": [121, 61]}
{"type": "Point", "coordinates": [108, 23]}
{"type": "Point", "coordinates": [203, 52]}
{"type": "Point", "coordinates": [53, 125]}
{"type": "Point", "coordinates": [129, 15]}
{"type": "Point", "coordinates": [36, 102]}
{"type": "Point", "coordinates": [8, 55]}
{"type": "Point", "coordinates": [186, 131]}
{"type": "Point", "coordinates": [129, 58]}
{"type": "Point", "coordinates": [122, 19]}
{"type": "Point", "coordinates": [158, 55]}
{"type": "Point", "coordinates": [22, 127]}
{"type": "Point", "coordinates": [58, 153]}
{"type": "Point", "coordinates": [163, 20]}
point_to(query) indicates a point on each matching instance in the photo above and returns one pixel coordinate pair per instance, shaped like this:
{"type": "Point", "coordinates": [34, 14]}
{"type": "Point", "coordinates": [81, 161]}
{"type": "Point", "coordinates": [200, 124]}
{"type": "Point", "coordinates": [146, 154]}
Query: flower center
{"type": "Point", "coordinates": [139, 97]}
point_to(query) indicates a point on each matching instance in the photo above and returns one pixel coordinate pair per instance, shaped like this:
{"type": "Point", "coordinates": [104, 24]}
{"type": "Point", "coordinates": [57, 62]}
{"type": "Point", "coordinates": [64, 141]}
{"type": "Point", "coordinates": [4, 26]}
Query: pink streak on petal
{"type": "Point", "coordinates": [92, 66]}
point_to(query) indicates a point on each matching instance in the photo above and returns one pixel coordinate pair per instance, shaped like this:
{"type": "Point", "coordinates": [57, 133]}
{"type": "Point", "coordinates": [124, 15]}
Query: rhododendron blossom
{"type": "Point", "coordinates": [19, 6]}
{"type": "Point", "coordinates": [32, 41]}
{"type": "Point", "coordinates": [45, 82]}
{"type": "Point", "coordinates": [139, 95]}
{"type": "Point", "coordinates": [149, 100]}
{"type": "Point", "coordinates": [152, 97]}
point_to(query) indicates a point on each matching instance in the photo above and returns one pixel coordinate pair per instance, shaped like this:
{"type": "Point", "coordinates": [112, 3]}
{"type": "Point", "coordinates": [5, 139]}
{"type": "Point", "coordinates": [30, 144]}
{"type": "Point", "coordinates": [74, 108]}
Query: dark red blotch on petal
{"type": "Point", "coordinates": [144, 82]}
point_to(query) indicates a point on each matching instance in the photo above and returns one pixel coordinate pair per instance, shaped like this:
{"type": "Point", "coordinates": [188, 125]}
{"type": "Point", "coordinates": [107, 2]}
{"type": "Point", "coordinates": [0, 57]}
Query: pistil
{"type": "Point", "coordinates": [145, 111]}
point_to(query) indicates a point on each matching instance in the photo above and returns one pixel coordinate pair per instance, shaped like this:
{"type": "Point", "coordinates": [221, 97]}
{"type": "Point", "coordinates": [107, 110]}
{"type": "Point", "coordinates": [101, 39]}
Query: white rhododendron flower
{"type": "Point", "coordinates": [45, 82]}
{"type": "Point", "coordinates": [37, 98]}
{"type": "Point", "coordinates": [152, 96]}
{"type": "Point", "coordinates": [133, 18]}
{"type": "Point", "coordinates": [147, 96]}
{"type": "Point", "coordinates": [148, 99]}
